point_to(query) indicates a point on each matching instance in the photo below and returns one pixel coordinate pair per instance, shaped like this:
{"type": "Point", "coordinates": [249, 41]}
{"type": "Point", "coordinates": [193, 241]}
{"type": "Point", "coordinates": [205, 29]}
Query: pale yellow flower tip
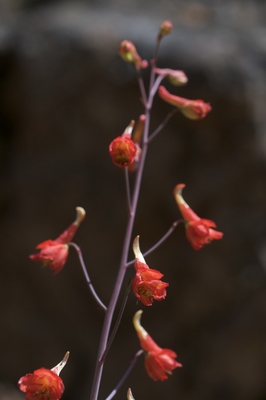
{"type": "Point", "coordinates": [129, 395]}
{"type": "Point", "coordinates": [130, 127]}
{"type": "Point", "coordinates": [58, 368]}
{"type": "Point", "coordinates": [137, 251]}
{"type": "Point", "coordinates": [81, 213]}
{"type": "Point", "coordinates": [136, 322]}
{"type": "Point", "coordinates": [178, 194]}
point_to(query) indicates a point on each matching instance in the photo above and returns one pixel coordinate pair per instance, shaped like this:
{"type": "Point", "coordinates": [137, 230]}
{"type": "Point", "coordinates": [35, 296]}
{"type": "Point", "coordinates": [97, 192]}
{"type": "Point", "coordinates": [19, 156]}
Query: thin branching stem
{"type": "Point", "coordinates": [160, 242]}
{"type": "Point", "coordinates": [117, 322]}
{"type": "Point", "coordinates": [87, 278]}
{"type": "Point", "coordinates": [162, 125]}
{"type": "Point", "coordinates": [142, 88]}
{"type": "Point", "coordinates": [156, 84]}
{"type": "Point", "coordinates": [122, 269]}
{"type": "Point", "coordinates": [126, 374]}
{"type": "Point", "coordinates": [127, 240]}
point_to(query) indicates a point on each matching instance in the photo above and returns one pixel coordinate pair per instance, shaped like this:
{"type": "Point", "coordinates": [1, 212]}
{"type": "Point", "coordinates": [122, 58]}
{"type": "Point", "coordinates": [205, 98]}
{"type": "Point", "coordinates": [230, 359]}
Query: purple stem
{"type": "Point", "coordinates": [85, 272]}
{"type": "Point", "coordinates": [124, 377]}
{"type": "Point", "coordinates": [162, 125]}
{"type": "Point", "coordinates": [160, 242]}
{"type": "Point", "coordinates": [127, 239]}
{"type": "Point", "coordinates": [127, 189]}
{"type": "Point", "coordinates": [122, 268]}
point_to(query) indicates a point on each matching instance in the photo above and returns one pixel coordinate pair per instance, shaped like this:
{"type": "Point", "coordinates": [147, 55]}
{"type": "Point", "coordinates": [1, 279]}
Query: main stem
{"type": "Point", "coordinates": [122, 269]}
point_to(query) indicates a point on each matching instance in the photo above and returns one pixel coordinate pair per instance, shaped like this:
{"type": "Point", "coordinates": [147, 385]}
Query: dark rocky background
{"type": "Point", "coordinates": [64, 95]}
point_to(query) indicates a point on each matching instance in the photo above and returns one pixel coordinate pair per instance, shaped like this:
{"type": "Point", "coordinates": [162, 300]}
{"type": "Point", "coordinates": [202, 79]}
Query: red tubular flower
{"type": "Point", "coordinates": [192, 109]}
{"type": "Point", "coordinates": [122, 149]}
{"type": "Point", "coordinates": [128, 52]}
{"type": "Point", "coordinates": [44, 384]}
{"type": "Point", "coordinates": [54, 253]}
{"type": "Point", "coordinates": [146, 285]}
{"type": "Point", "coordinates": [198, 231]}
{"type": "Point", "coordinates": [159, 362]}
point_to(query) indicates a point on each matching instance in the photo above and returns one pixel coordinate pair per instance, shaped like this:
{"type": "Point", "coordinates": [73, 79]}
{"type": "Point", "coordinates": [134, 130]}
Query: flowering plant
{"type": "Point", "coordinates": [128, 151]}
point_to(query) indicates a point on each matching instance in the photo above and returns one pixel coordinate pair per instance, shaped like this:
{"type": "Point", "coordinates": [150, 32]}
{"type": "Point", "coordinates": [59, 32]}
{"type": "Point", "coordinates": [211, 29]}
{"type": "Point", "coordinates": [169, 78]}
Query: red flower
{"type": "Point", "coordinates": [198, 231]}
{"type": "Point", "coordinates": [146, 285]}
{"type": "Point", "coordinates": [44, 384]}
{"type": "Point", "coordinates": [192, 109]}
{"type": "Point", "coordinates": [54, 253]}
{"type": "Point", "coordinates": [158, 362]}
{"type": "Point", "coordinates": [122, 149]}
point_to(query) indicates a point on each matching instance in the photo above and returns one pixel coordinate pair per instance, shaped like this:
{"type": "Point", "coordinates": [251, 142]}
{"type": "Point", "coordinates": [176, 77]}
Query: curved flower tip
{"type": "Point", "coordinates": [129, 395]}
{"type": "Point", "coordinates": [137, 325]}
{"type": "Point", "coordinates": [192, 109]}
{"type": "Point", "coordinates": [136, 250]}
{"type": "Point", "coordinates": [44, 384]}
{"type": "Point", "coordinates": [159, 362]}
{"type": "Point", "coordinates": [178, 192]}
{"type": "Point", "coordinates": [81, 214]}
{"type": "Point", "coordinates": [128, 53]}
{"type": "Point", "coordinates": [128, 131]}
{"type": "Point", "coordinates": [58, 368]}
{"type": "Point", "coordinates": [198, 231]}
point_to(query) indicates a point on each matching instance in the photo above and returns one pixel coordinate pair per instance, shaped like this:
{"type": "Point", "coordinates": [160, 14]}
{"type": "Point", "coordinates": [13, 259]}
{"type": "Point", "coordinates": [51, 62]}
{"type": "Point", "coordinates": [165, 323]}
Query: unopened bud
{"type": "Point", "coordinates": [128, 52]}
{"type": "Point", "coordinates": [165, 28]}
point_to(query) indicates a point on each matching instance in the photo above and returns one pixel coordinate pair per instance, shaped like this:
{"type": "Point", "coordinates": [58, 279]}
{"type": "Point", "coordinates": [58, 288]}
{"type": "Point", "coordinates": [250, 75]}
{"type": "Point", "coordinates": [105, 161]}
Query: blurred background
{"type": "Point", "coordinates": [64, 95]}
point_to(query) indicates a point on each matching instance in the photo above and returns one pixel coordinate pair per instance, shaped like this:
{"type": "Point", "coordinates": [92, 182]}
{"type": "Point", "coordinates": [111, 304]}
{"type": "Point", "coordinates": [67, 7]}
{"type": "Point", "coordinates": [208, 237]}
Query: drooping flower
{"type": "Point", "coordinates": [128, 53]}
{"type": "Point", "coordinates": [54, 253]}
{"type": "Point", "coordinates": [198, 231]}
{"type": "Point", "coordinates": [122, 149]}
{"type": "Point", "coordinates": [44, 384]}
{"type": "Point", "coordinates": [192, 109]}
{"type": "Point", "coordinates": [159, 362]}
{"type": "Point", "coordinates": [147, 285]}
{"type": "Point", "coordinates": [176, 77]}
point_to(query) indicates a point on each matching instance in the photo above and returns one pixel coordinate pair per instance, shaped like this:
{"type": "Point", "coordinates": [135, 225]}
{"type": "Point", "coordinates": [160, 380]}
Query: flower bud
{"type": "Point", "coordinates": [165, 28]}
{"type": "Point", "coordinates": [128, 52]}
